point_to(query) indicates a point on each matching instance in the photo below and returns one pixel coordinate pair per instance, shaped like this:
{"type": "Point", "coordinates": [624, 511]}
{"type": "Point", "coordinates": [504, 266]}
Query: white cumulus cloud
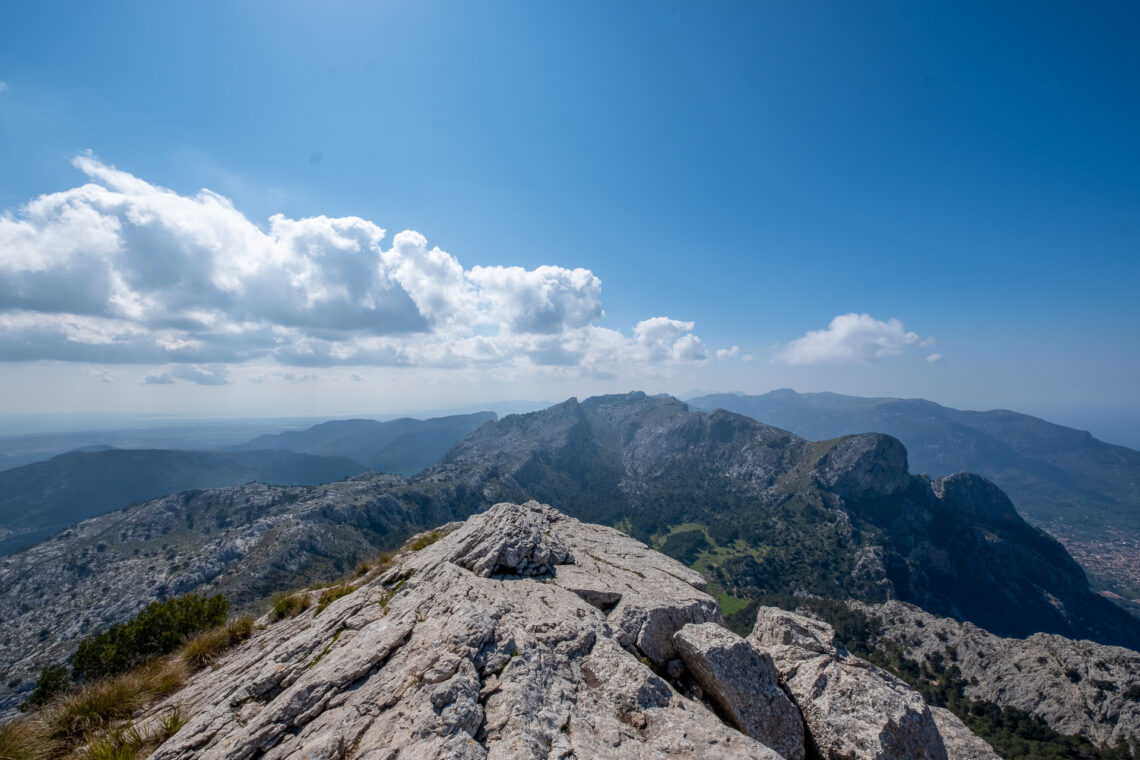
{"type": "Point", "coordinates": [849, 339]}
{"type": "Point", "coordinates": [119, 270]}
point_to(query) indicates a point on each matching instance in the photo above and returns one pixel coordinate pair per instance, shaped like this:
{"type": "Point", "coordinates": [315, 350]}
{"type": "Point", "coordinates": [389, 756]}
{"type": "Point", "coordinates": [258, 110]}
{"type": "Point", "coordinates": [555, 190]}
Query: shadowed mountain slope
{"type": "Point", "coordinates": [404, 446]}
{"type": "Point", "coordinates": [1080, 489]}
{"type": "Point", "coordinates": [39, 499]}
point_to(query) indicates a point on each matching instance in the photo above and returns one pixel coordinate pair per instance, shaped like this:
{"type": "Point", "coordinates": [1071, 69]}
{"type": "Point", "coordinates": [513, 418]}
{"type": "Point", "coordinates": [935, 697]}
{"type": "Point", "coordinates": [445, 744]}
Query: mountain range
{"type": "Point", "coordinates": [757, 510]}
{"type": "Point", "coordinates": [39, 499]}
{"type": "Point", "coordinates": [1083, 491]}
{"type": "Point", "coordinates": [403, 446]}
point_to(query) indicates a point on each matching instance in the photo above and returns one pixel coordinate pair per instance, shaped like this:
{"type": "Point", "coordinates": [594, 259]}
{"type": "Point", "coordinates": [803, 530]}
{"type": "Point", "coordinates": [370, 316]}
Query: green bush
{"type": "Point", "coordinates": [54, 680]}
{"type": "Point", "coordinates": [159, 629]}
{"type": "Point", "coordinates": [289, 605]}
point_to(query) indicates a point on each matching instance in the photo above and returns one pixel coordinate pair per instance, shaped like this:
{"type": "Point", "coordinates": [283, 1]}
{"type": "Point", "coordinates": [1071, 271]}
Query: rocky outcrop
{"type": "Point", "coordinates": [744, 684]}
{"type": "Point", "coordinates": [852, 709]}
{"type": "Point", "coordinates": [1077, 687]}
{"type": "Point", "coordinates": [433, 659]}
{"type": "Point", "coordinates": [961, 743]}
{"type": "Point", "coordinates": [460, 650]}
{"type": "Point", "coordinates": [865, 466]}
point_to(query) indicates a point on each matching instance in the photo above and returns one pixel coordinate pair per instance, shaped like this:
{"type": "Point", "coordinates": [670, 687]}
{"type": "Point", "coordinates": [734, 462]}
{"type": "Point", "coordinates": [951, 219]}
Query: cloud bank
{"type": "Point", "coordinates": [123, 271]}
{"type": "Point", "coordinates": [849, 339]}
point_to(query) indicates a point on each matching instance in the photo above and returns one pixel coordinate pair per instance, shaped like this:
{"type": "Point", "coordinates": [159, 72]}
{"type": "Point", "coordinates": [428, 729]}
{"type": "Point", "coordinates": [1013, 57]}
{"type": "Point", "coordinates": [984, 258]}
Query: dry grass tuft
{"type": "Point", "coordinates": [330, 595]}
{"type": "Point", "coordinates": [289, 605]}
{"type": "Point", "coordinates": [26, 739]}
{"type": "Point", "coordinates": [206, 647]}
{"type": "Point", "coordinates": [98, 705]}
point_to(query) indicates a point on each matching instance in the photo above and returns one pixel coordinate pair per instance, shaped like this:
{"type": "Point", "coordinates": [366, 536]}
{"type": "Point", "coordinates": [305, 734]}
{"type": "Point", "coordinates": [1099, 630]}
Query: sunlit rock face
{"type": "Point", "coordinates": [524, 633]}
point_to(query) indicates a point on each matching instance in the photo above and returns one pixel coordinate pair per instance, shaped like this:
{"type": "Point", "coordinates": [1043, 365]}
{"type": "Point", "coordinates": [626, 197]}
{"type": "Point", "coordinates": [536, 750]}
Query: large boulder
{"type": "Point", "coordinates": [852, 709]}
{"type": "Point", "coordinates": [744, 684]}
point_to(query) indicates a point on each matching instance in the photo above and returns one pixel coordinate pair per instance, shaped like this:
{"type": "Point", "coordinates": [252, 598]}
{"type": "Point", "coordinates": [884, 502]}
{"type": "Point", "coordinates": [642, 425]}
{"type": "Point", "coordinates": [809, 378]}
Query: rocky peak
{"type": "Point", "coordinates": [975, 497]}
{"type": "Point", "coordinates": [524, 633]}
{"type": "Point", "coordinates": [866, 466]}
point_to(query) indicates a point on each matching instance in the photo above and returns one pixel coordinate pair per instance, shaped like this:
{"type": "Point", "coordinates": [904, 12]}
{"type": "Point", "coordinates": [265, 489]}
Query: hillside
{"type": "Point", "coordinates": [39, 499]}
{"type": "Point", "coordinates": [403, 446]}
{"type": "Point", "coordinates": [1083, 491]}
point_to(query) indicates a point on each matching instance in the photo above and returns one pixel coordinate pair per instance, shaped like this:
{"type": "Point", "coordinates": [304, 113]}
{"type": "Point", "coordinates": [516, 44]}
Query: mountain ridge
{"type": "Point", "coordinates": [1081, 490]}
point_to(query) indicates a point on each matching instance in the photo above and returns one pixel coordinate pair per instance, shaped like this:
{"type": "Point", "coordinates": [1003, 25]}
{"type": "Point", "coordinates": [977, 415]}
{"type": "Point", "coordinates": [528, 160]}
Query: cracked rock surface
{"type": "Point", "coordinates": [485, 644]}
{"type": "Point", "coordinates": [852, 709]}
{"type": "Point", "coordinates": [744, 683]}
{"type": "Point", "coordinates": [1077, 687]}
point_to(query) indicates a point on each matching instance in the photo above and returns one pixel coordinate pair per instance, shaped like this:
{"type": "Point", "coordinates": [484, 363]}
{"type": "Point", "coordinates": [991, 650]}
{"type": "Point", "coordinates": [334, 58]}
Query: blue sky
{"type": "Point", "coordinates": [766, 172]}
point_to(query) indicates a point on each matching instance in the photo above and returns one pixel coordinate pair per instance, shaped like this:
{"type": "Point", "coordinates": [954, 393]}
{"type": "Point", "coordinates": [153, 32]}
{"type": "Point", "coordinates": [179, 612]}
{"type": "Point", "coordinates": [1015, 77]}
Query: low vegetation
{"type": "Point", "coordinates": [425, 540]}
{"type": "Point", "coordinates": [99, 704]}
{"type": "Point", "coordinates": [287, 605]}
{"type": "Point", "coordinates": [206, 647]}
{"type": "Point", "coordinates": [120, 672]}
{"type": "Point", "coordinates": [54, 680]}
{"type": "Point", "coordinates": [331, 594]}
{"type": "Point", "coordinates": [159, 629]}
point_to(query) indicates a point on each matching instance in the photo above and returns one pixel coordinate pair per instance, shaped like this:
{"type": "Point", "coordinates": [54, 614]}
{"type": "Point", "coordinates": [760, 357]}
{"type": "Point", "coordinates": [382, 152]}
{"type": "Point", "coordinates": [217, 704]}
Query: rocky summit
{"type": "Point", "coordinates": [524, 633]}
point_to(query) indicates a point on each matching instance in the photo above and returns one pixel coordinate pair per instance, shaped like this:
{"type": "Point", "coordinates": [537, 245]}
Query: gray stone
{"type": "Point", "coordinates": [744, 683]}
{"type": "Point", "coordinates": [852, 709]}
{"type": "Point", "coordinates": [1077, 687]}
{"type": "Point", "coordinates": [468, 660]}
{"type": "Point", "coordinates": [961, 743]}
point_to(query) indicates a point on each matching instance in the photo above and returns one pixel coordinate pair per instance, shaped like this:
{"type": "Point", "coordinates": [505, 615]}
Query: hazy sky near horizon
{"type": "Point", "coordinates": [346, 207]}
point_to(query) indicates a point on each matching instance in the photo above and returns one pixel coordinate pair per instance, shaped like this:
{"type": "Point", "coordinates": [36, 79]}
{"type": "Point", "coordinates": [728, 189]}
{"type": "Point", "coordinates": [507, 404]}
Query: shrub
{"type": "Point", "coordinates": [54, 680]}
{"type": "Point", "coordinates": [159, 629]}
{"type": "Point", "coordinates": [289, 605]}
{"type": "Point", "coordinates": [330, 595]}
{"type": "Point", "coordinates": [204, 648]}
{"type": "Point", "coordinates": [121, 743]}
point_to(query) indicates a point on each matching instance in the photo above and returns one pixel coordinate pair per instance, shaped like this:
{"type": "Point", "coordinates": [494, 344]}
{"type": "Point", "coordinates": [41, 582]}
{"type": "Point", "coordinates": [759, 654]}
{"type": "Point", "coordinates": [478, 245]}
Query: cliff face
{"type": "Point", "coordinates": [524, 633]}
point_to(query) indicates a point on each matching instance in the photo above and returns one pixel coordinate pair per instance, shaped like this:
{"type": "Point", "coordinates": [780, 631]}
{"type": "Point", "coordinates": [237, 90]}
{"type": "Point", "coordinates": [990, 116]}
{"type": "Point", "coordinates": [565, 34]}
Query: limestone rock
{"type": "Point", "coordinates": [1077, 687]}
{"type": "Point", "coordinates": [512, 542]}
{"type": "Point", "coordinates": [448, 655]}
{"type": "Point", "coordinates": [961, 743]}
{"type": "Point", "coordinates": [745, 685]}
{"type": "Point", "coordinates": [852, 709]}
